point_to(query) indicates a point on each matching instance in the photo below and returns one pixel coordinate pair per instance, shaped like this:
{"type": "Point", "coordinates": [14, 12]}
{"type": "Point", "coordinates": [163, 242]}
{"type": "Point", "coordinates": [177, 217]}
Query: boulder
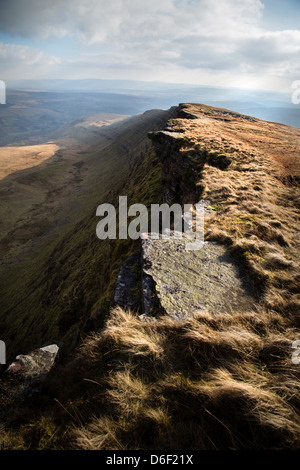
{"type": "Point", "coordinates": [24, 377]}
{"type": "Point", "coordinates": [35, 365]}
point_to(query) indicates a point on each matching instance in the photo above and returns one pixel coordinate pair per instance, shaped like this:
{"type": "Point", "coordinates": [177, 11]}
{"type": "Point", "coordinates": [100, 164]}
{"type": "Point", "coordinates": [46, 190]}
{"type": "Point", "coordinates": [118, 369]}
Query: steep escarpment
{"type": "Point", "coordinates": [57, 281]}
{"type": "Point", "coordinates": [243, 172]}
{"type": "Point", "coordinates": [246, 173]}
{"type": "Point", "coordinates": [206, 367]}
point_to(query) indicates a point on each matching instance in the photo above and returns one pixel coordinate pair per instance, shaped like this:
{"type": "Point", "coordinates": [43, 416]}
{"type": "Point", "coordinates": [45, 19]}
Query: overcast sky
{"type": "Point", "coordinates": [244, 43]}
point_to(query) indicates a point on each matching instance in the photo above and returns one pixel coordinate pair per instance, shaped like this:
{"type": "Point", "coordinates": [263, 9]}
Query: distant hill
{"type": "Point", "coordinates": [34, 117]}
{"type": "Point", "coordinates": [133, 97]}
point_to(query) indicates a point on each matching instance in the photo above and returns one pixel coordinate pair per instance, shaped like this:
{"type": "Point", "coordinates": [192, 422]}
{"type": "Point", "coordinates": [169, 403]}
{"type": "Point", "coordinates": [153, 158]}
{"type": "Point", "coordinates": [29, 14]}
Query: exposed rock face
{"type": "Point", "coordinates": [230, 163]}
{"type": "Point", "coordinates": [179, 172]}
{"type": "Point", "coordinates": [184, 282]}
{"type": "Point", "coordinates": [180, 282]}
{"type": "Point", "coordinates": [127, 291]}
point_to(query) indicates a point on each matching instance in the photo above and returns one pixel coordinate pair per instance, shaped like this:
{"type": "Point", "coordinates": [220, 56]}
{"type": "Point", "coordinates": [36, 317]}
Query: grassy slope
{"type": "Point", "coordinates": [56, 281]}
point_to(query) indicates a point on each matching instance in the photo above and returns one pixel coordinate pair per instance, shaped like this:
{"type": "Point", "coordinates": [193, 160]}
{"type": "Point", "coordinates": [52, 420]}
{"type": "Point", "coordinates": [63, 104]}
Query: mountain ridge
{"type": "Point", "coordinates": [208, 379]}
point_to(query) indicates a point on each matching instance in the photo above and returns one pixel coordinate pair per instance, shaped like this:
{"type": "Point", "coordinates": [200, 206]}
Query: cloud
{"type": "Point", "coordinates": [183, 40]}
{"type": "Point", "coordinates": [22, 61]}
{"type": "Point", "coordinates": [100, 20]}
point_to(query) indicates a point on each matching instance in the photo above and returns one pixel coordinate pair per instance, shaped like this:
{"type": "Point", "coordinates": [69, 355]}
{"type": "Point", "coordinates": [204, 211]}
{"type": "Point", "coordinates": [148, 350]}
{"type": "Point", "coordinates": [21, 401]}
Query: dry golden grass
{"type": "Point", "coordinates": [208, 382]}
{"type": "Point", "coordinates": [223, 382]}
{"type": "Point", "coordinates": [18, 158]}
{"type": "Point", "coordinates": [257, 197]}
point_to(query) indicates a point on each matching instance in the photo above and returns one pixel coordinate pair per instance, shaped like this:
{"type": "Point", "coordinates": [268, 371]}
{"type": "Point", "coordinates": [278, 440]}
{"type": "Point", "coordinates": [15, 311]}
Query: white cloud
{"type": "Point", "coordinates": [206, 41]}
{"type": "Point", "coordinates": [103, 20]}
{"type": "Point", "coordinates": [22, 61]}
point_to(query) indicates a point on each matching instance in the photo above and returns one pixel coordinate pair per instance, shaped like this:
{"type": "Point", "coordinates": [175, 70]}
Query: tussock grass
{"type": "Point", "coordinates": [203, 383]}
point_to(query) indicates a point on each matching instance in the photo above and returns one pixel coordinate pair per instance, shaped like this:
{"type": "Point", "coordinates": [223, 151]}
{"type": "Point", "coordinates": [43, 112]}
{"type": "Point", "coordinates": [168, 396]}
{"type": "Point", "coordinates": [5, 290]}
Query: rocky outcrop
{"type": "Point", "coordinates": [183, 161]}
{"type": "Point", "coordinates": [24, 377]}
{"type": "Point", "coordinates": [176, 281]}
{"type": "Point", "coordinates": [37, 364]}
{"type": "Point", "coordinates": [185, 282]}
{"type": "Point", "coordinates": [180, 169]}
{"type": "Point", "coordinates": [127, 290]}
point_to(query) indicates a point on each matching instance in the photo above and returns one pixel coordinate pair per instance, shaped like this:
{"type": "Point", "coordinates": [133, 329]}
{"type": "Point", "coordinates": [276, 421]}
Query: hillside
{"type": "Point", "coordinates": [179, 365]}
{"type": "Point", "coordinates": [55, 274]}
{"type": "Point", "coordinates": [33, 117]}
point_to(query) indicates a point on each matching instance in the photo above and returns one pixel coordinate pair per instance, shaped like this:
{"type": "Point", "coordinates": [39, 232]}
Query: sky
{"type": "Point", "coordinates": [238, 43]}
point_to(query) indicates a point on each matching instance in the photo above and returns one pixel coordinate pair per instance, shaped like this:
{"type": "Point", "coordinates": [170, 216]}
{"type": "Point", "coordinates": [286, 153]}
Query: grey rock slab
{"type": "Point", "coordinates": [185, 282]}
